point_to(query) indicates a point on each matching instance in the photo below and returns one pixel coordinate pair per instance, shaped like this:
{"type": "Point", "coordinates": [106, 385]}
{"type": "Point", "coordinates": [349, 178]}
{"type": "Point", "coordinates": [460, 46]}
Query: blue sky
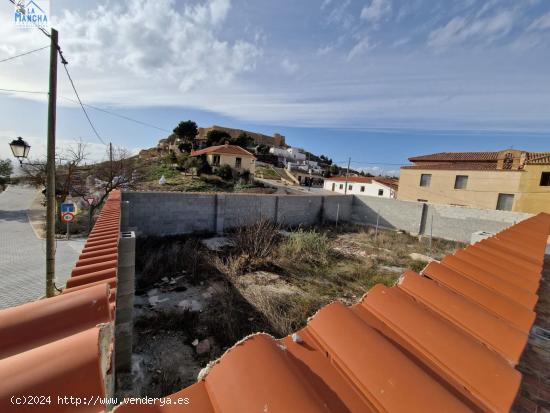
{"type": "Point", "coordinates": [375, 80]}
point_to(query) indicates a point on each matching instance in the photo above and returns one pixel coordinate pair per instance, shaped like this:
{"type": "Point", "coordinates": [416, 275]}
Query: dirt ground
{"type": "Point", "coordinates": [197, 296]}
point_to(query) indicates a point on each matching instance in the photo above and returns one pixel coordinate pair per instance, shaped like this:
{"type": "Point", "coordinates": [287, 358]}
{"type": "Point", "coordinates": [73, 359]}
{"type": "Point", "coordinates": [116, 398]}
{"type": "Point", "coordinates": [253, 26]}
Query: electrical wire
{"type": "Point", "coordinates": [23, 54]}
{"type": "Point", "coordinates": [118, 115]}
{"type": "Point", "coordinates": [23, 91]}
{"type": "Point", "coordinates": [64, 62]}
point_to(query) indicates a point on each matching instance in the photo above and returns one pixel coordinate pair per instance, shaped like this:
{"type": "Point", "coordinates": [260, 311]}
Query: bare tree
{"type": "Point", "coordinates": [119, 171]}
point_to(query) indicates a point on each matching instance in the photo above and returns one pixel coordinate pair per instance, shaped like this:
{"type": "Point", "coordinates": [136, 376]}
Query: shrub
{"type": "Point", "coordinates": [256, 241]}
{"type": "Point", "coordinates": [310, 246]}
{"type": "Point", "coordinates": [225, 172]}
{"type": "Point", "coordinates": [157, 171]}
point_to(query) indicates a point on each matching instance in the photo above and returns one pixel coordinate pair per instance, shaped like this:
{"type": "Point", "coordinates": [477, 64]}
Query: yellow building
{"type": "Point", "coordinates": [511, 179]}
{"type": "Point", "coordinates": [236, 157]}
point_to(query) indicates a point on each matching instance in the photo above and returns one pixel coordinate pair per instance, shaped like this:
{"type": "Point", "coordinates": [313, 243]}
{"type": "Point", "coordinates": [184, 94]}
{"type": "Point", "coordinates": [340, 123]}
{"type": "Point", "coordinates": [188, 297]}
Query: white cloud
{"type": "Point", "coordinates": [377, 10]}
{"type": "Point", "coordinates": [360, 48]}
{"type": "Point", "coordinates": [542, 23]}
{"type": "Point", "coordinates": [459, 30]}
{"type": "Point", "coordinates": [289, 67]}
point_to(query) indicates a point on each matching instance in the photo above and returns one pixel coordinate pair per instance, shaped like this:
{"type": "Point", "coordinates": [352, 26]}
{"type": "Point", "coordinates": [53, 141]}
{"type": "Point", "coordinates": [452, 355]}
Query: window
{"type": "Point", "coordinates": [425, 179]}
{"type": "Point", "coordinates": [545, 179]}
{"type": "Point", "coordinates": [461, 181]}
{"type": "Point", "coordinates": [505, 202]}
{"type": "Point", "coordinates": [362, 188]}
{"type": "Point", "coordinates": [380, 192]}
{"type": "Point", "coordinates": [341, 186]}
{"type": "Point", "coordinates": [238, 162]}
{"type": "Point", "coordinates": [350, 187]}
{"type": "Point", "coordinates": [333, 186]}
{"type": "Point", "coordinates": [216, 160]}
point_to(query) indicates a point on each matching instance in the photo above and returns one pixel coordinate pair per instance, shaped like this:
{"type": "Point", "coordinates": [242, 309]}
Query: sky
{"type": "Point", "coordinates": [377, 81]}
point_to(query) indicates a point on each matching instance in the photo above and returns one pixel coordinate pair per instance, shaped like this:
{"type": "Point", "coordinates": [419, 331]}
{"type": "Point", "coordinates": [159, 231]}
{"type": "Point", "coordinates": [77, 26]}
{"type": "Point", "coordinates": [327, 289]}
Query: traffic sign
{"type": "Point", "coordinates": [90, 200]}
{"type": "Point", "coordinates": [67, 216]}
{"type": "Point", "coordinates": [68, 207]}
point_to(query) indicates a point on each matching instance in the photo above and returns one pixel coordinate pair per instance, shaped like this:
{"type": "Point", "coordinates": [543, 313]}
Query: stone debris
{"type": "Point", "coordinates": [217, 243]}
{"type": "Point", "coordinates": [420, 257]}
{"type": "Point", "coordinates": [203, 346]}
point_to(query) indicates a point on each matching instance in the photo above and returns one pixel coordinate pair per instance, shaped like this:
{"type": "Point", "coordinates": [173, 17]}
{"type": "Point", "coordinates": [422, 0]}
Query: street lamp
{"type": "Point", "coordinates": [20, 149]}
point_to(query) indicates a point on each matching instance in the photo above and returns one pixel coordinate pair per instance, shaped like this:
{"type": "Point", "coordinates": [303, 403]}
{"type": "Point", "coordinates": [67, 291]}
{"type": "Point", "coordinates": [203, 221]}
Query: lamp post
{"type": "Point", "coordinates": [20, 149]}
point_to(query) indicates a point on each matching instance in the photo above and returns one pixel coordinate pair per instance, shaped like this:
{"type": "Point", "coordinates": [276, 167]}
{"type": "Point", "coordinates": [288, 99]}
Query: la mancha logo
{"type": "Point", "coordinates": [32, 13]}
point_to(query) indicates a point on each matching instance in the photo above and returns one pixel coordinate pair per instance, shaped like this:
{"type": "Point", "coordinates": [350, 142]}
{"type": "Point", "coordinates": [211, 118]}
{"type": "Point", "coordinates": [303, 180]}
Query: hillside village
{"type": "Point", "coordinates": [247, 158]}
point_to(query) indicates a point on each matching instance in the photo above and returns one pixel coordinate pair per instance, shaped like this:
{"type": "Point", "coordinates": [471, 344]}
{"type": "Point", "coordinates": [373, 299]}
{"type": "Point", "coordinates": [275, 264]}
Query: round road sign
{"type": "Point", "coordinates": [67, 217]}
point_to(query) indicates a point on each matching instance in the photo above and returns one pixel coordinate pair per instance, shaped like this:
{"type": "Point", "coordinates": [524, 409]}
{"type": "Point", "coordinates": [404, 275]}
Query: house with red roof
{"type": "Point", "coordinates": [236, 157]}
{"type": "Point", "coordinates": [511, 179]}
{"type": "Point", "coordinates": [363, 185]}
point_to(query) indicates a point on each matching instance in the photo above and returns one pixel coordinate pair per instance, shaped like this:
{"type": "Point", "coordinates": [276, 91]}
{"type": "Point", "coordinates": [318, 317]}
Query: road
{"type": "Point", "coordinates": [23, 255]}
{"type": "Point", "coordinates": [294, 189]}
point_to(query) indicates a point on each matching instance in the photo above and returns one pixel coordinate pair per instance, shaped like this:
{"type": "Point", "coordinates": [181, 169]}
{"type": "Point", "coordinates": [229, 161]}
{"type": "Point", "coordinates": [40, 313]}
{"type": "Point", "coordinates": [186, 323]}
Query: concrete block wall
{"type": "Point", "coordinates": [392, 213]}
{"type": "Point", "coordinates": [449, 222]}
{"type": "Point", "coordinates": [459, 223]}
{"type": "Point", "coordinates": [166, 213]}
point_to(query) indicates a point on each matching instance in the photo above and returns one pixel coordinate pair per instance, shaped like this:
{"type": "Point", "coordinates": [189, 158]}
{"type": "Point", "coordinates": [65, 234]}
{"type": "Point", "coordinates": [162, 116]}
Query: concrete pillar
{"type": "Point", "coordinates": [125, 302]}
{"type": "Point", "coordinates": [124, 216]}
{"type": "Point", "coordinates": [220, 213]}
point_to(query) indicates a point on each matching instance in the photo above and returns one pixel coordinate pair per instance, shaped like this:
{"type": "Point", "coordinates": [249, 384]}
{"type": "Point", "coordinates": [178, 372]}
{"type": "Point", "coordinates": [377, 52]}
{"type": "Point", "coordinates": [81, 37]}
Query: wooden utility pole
{"type": "Point", "coordinates": [347, 174]}
{"type": "Point", "coordinates": [51, 204]}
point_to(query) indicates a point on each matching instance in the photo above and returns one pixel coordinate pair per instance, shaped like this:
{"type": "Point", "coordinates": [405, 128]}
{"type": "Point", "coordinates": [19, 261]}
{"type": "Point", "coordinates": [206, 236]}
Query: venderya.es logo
{"type": "Point", "coordinates": [32, 13]}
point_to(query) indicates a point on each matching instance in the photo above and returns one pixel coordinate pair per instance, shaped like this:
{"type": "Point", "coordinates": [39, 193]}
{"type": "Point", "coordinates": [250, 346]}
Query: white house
{"type": "Point", "coordinates": [363, 185]}
{"type": "Point", "coordinates": [289, 154]}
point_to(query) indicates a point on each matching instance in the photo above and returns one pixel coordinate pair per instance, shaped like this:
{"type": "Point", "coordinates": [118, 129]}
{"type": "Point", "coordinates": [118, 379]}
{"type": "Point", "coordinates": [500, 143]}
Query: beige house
{"type": "Point", "coordinates": [510, 179]}
{"type": "Point", "coordinates": [236, 157]}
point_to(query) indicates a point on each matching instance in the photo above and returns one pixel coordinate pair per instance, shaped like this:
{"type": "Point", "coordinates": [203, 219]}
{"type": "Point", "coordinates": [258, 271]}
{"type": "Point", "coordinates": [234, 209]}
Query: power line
{"type": "Point", "coordinates": [23, 91]}
{"type": "Point", "coordinates": [64, 62]}
{"type": "Point", "coordinates": [23, 54]}
{"type": "Point", "coordinates": [118, 115]}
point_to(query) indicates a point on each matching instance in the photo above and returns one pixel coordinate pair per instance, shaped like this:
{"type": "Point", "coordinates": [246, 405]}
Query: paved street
{"type": "Point", "coordinates": [22, 255]}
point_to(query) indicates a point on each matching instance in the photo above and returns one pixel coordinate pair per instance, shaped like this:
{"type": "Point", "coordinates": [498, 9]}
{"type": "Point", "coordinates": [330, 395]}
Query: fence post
{"type": "Point", "coordinates": [337, 214]}
{"type": "Point", "coordinates": [377, 221]}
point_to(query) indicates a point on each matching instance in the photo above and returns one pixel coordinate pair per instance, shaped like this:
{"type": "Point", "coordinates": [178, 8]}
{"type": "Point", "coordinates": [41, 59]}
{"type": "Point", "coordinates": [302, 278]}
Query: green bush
{"type": "Point", "coordinates": [310, 246]}
{"type": "Point", "coordinates": [157, 171]}
{"type": "Point", "coordinates": [225, 172]}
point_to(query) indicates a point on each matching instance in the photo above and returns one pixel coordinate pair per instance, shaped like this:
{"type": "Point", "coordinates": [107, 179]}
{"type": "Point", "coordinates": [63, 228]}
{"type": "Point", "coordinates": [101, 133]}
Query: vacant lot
{"type": "Point", "coordinates": [197, 296]}
{"type": "Point", "coordinates": [180, 182]}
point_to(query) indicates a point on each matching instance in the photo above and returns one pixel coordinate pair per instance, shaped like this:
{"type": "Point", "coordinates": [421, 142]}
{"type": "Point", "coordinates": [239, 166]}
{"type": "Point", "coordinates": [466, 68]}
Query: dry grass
{"type": "Point", "coordinates": [306, 245]}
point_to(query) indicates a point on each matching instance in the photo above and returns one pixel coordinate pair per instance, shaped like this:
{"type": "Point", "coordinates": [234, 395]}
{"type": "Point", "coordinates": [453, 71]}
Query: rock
{"type": "Point", "coordinates": [203, 347]}
{"type": "Point", "coordinates": [165, 279]}
{"type": "Point", "coordinates": [390, 268]}
{"type": "Point", "coordinates": [420, 257]}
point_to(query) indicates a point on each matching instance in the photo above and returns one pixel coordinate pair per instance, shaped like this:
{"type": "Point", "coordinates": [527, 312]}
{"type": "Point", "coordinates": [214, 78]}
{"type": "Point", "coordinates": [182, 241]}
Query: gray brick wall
{"type": "Point", "coordinates": [449, 222]}
{"type": "Point", "coordinates": [165, 213]}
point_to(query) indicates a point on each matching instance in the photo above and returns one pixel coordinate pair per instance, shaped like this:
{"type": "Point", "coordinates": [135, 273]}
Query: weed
{"type": "Point", "coordinates": [308, 246]}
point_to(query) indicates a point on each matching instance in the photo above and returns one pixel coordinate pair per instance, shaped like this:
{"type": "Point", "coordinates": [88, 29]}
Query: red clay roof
{"type": "Point", "coordinates": [223, 149]}
{"type": "Point", "coordinates": [445, 340]}
{"type": "Point", "coordinates": [457, 156]}
{"type": "Point", "coordinates": [460, 166]}
{"type": "Point", "coordinates": [60, 346]}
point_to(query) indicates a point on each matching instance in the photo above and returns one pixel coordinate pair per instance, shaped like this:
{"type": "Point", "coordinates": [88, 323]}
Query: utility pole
{"type": "Point", "coordinates": [51, 205]}
{"type": "Point", "coordinates": [347, 174]}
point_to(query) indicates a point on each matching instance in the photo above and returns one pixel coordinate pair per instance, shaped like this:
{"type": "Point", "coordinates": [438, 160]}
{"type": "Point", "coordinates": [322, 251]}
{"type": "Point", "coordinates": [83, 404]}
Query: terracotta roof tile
{"type": "Point", "coordinates": [459, 166]}
{"type": "Point", "coordinates": [445, 340]}
{"type": "Point", "coordinates": [457, 156]}
{"type": "Point", "coordinates": [223, 149]}
{"type": "Point", "coordinates": [60, 346]}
